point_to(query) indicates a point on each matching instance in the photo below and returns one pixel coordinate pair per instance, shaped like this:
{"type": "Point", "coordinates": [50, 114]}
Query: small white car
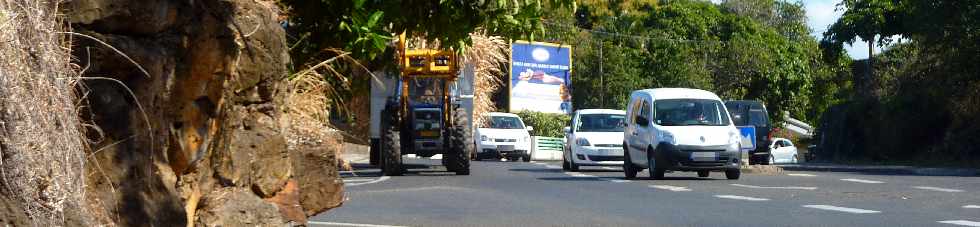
{"type": "Point", "coordinates": [594, 139]}
{"type": "Point", "coordinates": [503, 135]}
{"type": "Point", "coordinates": [679, 129]}
{"type": "Point", "coordinates": [783, 151]}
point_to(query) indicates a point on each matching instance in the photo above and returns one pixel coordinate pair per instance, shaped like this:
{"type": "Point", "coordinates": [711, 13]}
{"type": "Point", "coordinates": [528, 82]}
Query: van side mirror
{"type": "Point", "coordinates": [642, 121]}
{"type": "Point", "coordinates": [529, 128]}
{"type": "Point", "coordinates": [567, 130]}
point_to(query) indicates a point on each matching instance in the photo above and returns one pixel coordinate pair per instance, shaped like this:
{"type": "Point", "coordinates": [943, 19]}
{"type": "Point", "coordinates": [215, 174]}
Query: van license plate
{"type": "Point", "coordinates": [703, 155]}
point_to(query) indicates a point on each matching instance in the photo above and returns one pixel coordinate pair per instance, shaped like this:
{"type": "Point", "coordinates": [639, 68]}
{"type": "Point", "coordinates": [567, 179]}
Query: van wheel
{"type": "Point", "coordinates": [628, 167]}
{"type": "Point", "coordinates": [655, 172]}
{"type": "Point", "coordinates": [733, 174]}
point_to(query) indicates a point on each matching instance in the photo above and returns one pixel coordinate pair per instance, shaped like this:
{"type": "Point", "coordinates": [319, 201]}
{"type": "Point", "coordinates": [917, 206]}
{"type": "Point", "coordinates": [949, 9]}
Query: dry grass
{"type": "Point", "coordinates": [488, 55]}
{"type": "Point", "coordinates": [41, 140]}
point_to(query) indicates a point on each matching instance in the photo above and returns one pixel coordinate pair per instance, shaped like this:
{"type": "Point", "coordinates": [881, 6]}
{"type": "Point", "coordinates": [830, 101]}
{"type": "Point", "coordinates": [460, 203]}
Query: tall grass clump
{"type": "Point", "coordinates": [41, 140]}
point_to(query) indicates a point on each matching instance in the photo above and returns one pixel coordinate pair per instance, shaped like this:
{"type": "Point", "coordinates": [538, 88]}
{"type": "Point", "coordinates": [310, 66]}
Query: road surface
{"type": "Point", "coordinates": [541, 194]}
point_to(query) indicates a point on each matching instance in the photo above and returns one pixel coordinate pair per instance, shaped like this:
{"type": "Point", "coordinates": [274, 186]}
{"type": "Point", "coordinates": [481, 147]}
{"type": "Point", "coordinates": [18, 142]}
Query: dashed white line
{"type": "Point", "coordinates": [380, 179]}
{"type": "Point", "coordinates": [552, 167]}
{"type": "Point", "coordinates": [354, 180]}
{"type": "Point", "coordinates": [971, 207]}
{"type": "Point", "coordinates": [609, 168]}
{"type": "Point", "coordinates": [671, 188]}
{"type": "Point", "coordinates": [539, 163]}
{"type": "Point", "coordinates": [800, 174]}
{"type": "Point", "coordinates": [576, 174]}
{"type": "Point", "coordinates": [741, 197]}
{"type": "Point", "coordinates": [863, 181]}
{"type": "Point", "coordinates": [775, 187]}
{"type": "Point", "coordinates": [347, 224]}
{"type": "Point", "coordinates": [619, 181]}
{"type": "Point", "coordinates": [842, 209]}
{"type": "Point", "coordinates": [937, 189]}
{"type": "Point", "coordinates": [961, 222]}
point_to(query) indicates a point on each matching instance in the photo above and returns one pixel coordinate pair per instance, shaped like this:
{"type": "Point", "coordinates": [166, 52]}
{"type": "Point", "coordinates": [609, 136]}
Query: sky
{"type": "Point", "coordinates": [820, 15]}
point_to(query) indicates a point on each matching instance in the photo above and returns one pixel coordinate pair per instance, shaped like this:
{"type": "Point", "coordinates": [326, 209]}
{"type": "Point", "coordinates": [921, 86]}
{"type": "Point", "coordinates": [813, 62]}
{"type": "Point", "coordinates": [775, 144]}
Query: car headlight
{"type": "Point", "coordinates": [666, 137]}
{"type": "Point", "coordinates": [484, 138]}
{"type": "Point", "coordinates": [582, 142]}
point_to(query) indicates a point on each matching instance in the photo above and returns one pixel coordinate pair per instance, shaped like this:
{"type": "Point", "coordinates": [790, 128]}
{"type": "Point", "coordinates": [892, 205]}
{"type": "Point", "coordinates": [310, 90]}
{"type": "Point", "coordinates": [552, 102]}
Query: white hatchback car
{"type": "Point", "coordinates": [594, 139]}
{"type": "Point", "coordinates": [679, 129]}
{"type": "Point", "coordinates": [503, 135]}
{"type": "Point", "coordinates": [783, 151]}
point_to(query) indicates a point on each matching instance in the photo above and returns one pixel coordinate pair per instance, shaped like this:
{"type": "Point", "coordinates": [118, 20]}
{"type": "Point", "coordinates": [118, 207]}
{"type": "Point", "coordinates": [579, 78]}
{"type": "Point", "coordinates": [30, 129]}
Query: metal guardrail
{"type": "Point", "coordinates": [549, 143]}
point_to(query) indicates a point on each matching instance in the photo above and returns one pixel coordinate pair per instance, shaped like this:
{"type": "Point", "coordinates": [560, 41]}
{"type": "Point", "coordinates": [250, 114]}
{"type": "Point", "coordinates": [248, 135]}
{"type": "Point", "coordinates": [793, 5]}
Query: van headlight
{"type": "Point", "coordinates": [582, 142]}
{"type": "Point", "coordinates": [666, 137]}
{"type": "Point", "coordinates": [733, 142]}
{"type": "Point", "coordinates": [483, 138]}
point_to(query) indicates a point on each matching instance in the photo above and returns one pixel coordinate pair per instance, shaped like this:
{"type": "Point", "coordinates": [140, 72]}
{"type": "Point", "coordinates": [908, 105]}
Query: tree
{"type": "Point", "coordinates": [364, 27]}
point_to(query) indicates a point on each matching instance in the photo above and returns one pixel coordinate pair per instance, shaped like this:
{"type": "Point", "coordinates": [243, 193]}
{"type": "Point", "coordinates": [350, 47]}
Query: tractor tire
{"type": "Point", "coordinates": [391, 155]}
{"type": "Point", "coordinates": [461, 137]}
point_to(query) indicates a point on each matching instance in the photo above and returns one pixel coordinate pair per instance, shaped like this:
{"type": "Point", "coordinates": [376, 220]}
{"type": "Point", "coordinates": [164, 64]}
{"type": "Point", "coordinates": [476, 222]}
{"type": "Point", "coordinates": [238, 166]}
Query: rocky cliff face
{"type": "Point", "coordinates": [196, 132]}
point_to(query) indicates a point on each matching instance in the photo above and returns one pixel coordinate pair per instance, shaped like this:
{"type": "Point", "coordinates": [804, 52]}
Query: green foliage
{"type": "Point", "coordinates": [364, 27]}
{"type": "Point", "coordinates": [924, 98]}
{"type": "Point", "coordinates": [545, 124]}
{"type": "Point", "coordinates": [741, 49]}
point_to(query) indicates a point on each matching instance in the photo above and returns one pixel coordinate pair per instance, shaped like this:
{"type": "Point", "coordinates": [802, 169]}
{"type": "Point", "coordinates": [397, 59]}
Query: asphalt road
{"type": "Point", "coordinates": [541, 194]}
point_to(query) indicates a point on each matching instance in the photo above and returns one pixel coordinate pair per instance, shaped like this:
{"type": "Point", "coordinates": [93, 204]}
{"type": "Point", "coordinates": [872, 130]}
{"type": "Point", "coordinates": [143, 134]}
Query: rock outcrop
{"type": "Point", "coordinates": [191, 120]}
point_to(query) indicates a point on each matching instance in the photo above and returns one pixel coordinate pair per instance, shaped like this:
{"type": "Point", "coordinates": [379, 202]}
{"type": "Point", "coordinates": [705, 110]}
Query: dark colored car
{"type": "Point", "coordinates": [753, 113]}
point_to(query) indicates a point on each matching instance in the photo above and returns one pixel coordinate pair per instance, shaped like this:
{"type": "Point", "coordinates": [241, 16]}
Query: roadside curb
{"type": "Point", "coordinates": [904, 170]}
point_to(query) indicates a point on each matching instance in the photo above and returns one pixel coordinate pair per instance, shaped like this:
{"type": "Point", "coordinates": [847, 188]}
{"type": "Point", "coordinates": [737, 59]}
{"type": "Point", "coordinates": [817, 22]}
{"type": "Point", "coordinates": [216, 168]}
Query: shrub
{"type": "Point", "coordinates": [545, 124]}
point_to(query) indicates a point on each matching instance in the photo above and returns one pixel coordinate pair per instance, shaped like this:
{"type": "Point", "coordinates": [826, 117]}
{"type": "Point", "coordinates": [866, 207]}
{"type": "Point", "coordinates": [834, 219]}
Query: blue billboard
{"type": "Point", "coordinates": [540, 77]}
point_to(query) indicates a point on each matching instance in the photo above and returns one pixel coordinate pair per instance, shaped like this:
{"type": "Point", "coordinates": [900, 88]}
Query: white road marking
{"type": "Point", "coordinates": [576, 174]}
{"type": "Point", "coordinates": [862, 181]}
{"type": "Point", "coordinates": [380, 179]}
{"type": "Point", "coordinates": [801, 175]}
{"type": "Point", "coordinates": [961, 222]}
{"type": "Point", "coordinates": [552, 167]}
{"type": "Point", "coordinates": [775, 187]}
{"type": "Point", "coordinates": [357, 180]}
{"type": "Point", "coordinates": [971, 207]}
{"type": "Point", "coordinates": [741, 197]}
{"type": "Point", "coordinates": [347, 224]}
{"type": "Point", "coordinates": [842, 209]}
{"type": "Point", "coordinates": [539, 163]}
{"type": "Point", "coordinates": [671, 188]}
{"type": "Point", "coordinates": [938, 189]}
{"type": "Point", "coordinates": [609, 168]}
{"type": "Point", "coordinates": [619, 181]}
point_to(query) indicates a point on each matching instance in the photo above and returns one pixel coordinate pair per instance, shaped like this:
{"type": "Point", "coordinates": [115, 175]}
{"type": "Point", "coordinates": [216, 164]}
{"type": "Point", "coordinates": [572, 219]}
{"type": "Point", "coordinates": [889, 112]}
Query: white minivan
{"type": "Point", "coordinates": [679, 129]}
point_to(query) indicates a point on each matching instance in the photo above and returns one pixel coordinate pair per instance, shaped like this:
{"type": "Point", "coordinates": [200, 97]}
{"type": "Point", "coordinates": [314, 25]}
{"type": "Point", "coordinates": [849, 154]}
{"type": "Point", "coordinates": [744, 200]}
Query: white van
{"type": "Point", "coordinates": [679, 129]}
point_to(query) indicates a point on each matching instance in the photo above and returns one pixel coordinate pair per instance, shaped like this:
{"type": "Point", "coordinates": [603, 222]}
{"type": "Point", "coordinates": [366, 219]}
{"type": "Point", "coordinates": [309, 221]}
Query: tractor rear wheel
{"type": "Point", "coordinates": [391, 155]}
{"type": "Point", "coordinates": [461, 144]}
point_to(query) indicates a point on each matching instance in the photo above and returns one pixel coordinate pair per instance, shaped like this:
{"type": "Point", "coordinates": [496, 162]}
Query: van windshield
{"type": "Point", "coordinates": [681, 112]}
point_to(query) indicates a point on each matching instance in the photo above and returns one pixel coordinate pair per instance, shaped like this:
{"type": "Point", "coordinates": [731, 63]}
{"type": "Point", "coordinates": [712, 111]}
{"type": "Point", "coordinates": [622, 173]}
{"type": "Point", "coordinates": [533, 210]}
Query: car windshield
{"type": "Point", "coordinates": [504, 122]}
{"type": "Point", "coordinates": [680, 112]}
{"type": "Point", "coordinates": [600, 123]}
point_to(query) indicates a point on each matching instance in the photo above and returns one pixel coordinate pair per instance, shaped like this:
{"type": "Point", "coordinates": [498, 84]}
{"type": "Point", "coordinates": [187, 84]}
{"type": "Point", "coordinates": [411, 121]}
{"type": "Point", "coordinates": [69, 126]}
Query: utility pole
{"type": "Point", "coordinates": [602, 83]}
